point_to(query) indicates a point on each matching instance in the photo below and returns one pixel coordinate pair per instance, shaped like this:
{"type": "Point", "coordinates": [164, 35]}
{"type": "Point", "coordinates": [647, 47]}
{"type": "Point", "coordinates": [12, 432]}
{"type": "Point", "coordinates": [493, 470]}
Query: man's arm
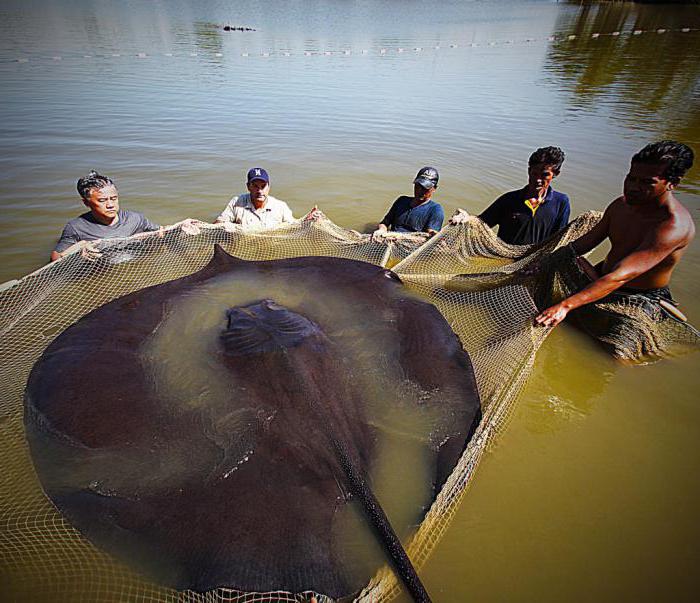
{"type": "Point", "coordinates": [492, 214]}
{"type": "Point", "coordinates": [383, 226]}
{"type": "Point", "coordinates": [563, 217]}
{"type": "Point", "coordinates": [434, 224]}
{"type": "Point", "coordinates": [389, 218]}
{"type": "Point", "coordinates": [147, 226]}
{"type": "Point", "coordinates": [69, 237]}
{"type": "Point", "coordinates": [287, 215]}
{"type": "Point", "coordinates": [227, 214]}
{"type": "Point", "coordinates": [651, 252]}
{"type": "Point", "coordinates": [595, 236]}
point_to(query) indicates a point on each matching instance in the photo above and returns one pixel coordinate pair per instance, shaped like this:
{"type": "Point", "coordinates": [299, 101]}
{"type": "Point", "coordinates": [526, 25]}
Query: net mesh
{"type": "Point", "coordinates": [466, 271]}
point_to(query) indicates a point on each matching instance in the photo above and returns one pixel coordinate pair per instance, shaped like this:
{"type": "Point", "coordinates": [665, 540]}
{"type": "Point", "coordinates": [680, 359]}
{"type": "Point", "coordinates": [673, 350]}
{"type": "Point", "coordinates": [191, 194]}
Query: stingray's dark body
{"type": "Point", "coordinates": [202, 528]}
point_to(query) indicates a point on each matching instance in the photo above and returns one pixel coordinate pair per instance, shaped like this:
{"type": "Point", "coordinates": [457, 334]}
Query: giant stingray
{"type": "Point", "coordinates": [240, 478]}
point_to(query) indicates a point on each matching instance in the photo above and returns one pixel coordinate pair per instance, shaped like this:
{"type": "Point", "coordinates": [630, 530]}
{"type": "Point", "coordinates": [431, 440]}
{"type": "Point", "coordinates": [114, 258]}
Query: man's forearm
{"type": "Point", "coordinates": [597, 290]}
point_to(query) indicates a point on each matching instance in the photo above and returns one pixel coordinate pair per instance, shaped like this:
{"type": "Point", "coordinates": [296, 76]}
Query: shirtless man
{"type": "Point", "coordinates": [647, 226]}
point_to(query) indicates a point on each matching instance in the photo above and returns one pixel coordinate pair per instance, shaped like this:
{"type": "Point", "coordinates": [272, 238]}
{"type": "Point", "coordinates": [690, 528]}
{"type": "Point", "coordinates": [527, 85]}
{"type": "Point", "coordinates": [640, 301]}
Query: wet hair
{"type": "Point", "coordinates": [553, 156]}
{"type": "Point", "coordinates": [677, 157]}
{"type": "Point", "coordinates": [92, 180]}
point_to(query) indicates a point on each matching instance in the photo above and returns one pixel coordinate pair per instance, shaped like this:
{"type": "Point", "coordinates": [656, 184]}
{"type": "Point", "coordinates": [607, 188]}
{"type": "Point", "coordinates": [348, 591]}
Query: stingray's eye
{"type": "Point", "coordinates": [392, 275]}
{"type": "Point", "coordinates": [273, 305]}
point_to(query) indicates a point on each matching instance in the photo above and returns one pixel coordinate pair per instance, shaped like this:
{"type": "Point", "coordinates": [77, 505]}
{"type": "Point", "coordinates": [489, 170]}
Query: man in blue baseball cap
{"type": "Point", "coordinates": [418, 213]}
{"type": "Point", "coordinates": [256, 209]}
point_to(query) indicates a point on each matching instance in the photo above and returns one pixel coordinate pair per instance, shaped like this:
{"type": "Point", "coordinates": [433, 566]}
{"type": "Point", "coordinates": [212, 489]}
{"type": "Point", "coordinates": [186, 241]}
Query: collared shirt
{"type": "Point", "coordinates": [240, 210]}
{"type": "Point", "coordinates": [86, 228]}
{"type": "Point", "coordinates": [421, 218]}
{"type": "Point", "coordinates": [521, 222]}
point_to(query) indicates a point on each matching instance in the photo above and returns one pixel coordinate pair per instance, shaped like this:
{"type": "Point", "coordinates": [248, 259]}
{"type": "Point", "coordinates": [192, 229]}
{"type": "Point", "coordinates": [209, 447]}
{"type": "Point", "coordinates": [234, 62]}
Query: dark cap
{"type": "Point", "coordinates": [427, 177]}
{"type": "Point", "coordinates": [258, 174]}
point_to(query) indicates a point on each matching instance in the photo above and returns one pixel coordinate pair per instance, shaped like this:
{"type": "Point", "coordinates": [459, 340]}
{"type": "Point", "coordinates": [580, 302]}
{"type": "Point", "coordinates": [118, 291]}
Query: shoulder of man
{"type": "Point", "coordinates": [616, 205]}
{"type": "Point", "coordinates": [560, 197]}
{"type": "Point", "coordinates": [74, 225]}
{"type": "Point", "coordinates": [130, 214]}
{"type": "Point", "coordinates": [517, 195]}
{"type": "Point", "coordinates": [506, 200]}
{"type": "Point", "coordinates": [81, 220]}
{"type": "Point", "coordinates": [241, 200]}
{"type": "Point", "coordinates": [402, 200]}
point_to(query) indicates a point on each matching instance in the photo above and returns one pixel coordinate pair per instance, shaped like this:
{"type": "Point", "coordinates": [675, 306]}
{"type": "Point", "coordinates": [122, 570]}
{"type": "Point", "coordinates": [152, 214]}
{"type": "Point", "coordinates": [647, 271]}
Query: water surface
{"type": "Point", "coordinates": [590, 492]}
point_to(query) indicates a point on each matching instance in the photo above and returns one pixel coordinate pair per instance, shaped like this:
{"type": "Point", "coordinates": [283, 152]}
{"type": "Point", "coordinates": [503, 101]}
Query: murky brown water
{"type": "Point", "coordinates": [590, 493]}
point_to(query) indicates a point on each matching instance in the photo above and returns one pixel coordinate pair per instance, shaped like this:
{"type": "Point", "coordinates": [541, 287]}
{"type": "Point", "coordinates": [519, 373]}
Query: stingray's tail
{"type": "Point", "coordinates": [358, 486]}
{"type": "Point", "coordinates": [381, 524]}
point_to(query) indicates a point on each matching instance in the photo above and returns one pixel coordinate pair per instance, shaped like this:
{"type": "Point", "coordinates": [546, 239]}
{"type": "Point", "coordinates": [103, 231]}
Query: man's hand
{"type": "Point", "coordinates": [553, 315]}
{"type": "Point", "coordinates": [89, 252]}
{"type": "Point", "coordinates": [190, 226]}
{"type": "Point", "coordinates": [459, 217]}
{"type": "Point", "coordinates": [379, 235]}
{"type": "Point", "coordinates": [314, 215]}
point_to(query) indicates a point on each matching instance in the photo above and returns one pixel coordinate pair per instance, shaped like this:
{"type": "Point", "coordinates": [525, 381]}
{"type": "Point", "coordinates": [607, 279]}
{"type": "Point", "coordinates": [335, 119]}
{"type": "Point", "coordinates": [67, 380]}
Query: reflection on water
{"type": "Point", "coordinates": [649, 79]}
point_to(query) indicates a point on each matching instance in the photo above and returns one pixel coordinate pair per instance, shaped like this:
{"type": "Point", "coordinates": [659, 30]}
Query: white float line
{"type": "Point", "coordinates": [380, 51]}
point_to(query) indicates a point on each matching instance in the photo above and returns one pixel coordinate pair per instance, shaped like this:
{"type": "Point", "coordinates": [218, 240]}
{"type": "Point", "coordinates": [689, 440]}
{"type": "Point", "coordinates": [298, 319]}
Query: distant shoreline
{"type": "Point", "coordinates": [634, 1]}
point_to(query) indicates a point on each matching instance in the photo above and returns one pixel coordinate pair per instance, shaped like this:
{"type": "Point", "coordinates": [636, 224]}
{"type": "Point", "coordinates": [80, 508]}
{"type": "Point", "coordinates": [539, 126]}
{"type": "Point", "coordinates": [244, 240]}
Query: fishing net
{"type": "Point", "coordinates": [474, 279]}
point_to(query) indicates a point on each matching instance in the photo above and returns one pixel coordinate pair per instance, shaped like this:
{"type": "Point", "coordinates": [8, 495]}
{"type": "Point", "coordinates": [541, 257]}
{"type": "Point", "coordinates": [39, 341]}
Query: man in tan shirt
{"type": "Point", "coordinates": [256, 209]}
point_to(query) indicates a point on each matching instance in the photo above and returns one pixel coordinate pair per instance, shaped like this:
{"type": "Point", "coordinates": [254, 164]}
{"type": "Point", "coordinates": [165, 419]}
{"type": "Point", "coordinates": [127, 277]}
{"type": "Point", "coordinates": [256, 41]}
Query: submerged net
{"type": "Point", "coordinates": [466, 271]}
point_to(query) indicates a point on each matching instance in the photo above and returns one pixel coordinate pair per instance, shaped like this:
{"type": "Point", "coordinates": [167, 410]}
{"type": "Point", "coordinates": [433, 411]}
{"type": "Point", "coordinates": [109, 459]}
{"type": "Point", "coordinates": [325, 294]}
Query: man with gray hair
{"type": "Point", "coordinates": [104, 220]}
{"type": "Point", "coordinates": [257, 209]}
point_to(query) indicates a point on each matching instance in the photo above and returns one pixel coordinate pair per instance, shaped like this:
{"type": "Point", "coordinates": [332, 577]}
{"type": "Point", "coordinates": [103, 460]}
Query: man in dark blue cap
{"type": "Point", "coordinates": [418, 213]}
{"type": "Point", "coordinates": [256, 209]}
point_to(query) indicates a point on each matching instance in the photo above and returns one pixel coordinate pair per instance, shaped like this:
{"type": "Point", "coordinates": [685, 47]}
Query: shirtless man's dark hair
{"type": "Point", "coordinates": [648, 228]}
{"type": "Point", "coordinates": [91, 181]}
{"type": "Point", "coordinates": [677, 157]}
{"type": "Point", "coordinates": [552, 156]}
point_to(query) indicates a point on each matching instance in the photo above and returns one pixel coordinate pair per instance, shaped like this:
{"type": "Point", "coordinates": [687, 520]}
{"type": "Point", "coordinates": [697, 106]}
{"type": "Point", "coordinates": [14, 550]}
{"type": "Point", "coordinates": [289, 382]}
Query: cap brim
{"type": "Point", "coordinates": [259, 178]}
{"type": "Point", "coordinates": [425, 183]}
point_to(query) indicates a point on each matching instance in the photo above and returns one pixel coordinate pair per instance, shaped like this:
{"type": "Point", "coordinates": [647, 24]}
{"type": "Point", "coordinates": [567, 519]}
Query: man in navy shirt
{"type": "Point", "coordinates": [536, 211]}
{"type": "Point", "coordinates": [418, 213]}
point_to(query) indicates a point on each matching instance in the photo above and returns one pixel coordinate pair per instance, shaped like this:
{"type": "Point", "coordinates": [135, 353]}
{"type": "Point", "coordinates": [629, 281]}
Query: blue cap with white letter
{"type": "Point", "coordinates": [258, 174]}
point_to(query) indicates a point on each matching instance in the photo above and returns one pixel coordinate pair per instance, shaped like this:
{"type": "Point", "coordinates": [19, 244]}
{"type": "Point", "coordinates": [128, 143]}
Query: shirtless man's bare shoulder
{"type": "Point", "coordinates": [648, 228]}
{"type": "Point", "coordinates": [664, 231]}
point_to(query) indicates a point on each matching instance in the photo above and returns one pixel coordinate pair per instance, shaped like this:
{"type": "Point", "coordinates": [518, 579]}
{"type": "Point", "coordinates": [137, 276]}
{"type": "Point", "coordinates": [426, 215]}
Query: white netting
{"type": "Point", "coordinates": [466, 271]}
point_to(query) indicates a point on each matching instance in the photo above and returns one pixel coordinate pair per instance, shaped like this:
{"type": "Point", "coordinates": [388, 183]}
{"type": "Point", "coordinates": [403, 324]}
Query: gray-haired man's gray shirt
{"type": "Point", "coordinates": [86, 228]}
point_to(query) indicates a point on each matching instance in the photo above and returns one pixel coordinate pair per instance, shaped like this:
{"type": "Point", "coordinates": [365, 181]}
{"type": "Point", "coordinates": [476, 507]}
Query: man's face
{"type": "Point", "coordinates": [421, 193]}
{"type": "Point", "coordinates": [540, 176]}
{"type": "Point", "coordinates": [645, 183]}
{"type": "Point", "coordinates": [103, 203]}
{"type": "Point", "coordinates": [258, 189]}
